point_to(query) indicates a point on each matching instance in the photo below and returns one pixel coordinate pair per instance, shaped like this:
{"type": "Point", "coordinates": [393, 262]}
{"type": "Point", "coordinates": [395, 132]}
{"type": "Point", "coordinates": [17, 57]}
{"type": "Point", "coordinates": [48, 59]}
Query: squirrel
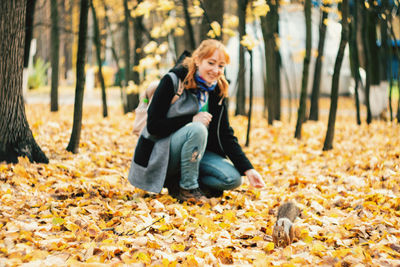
{"type": "Point", "coordinates": [283, 231]}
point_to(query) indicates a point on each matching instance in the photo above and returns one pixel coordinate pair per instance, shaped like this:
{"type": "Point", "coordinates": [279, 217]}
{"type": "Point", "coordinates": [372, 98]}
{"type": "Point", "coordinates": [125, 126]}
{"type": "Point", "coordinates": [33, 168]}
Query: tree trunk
{"type": "Point", "coordinates": [96, 39]}
{"type": "Point", "coordinates": [30, 14]}
{"type": "Point", "coordinates": [241, 92]}
{"type": "Point", "coordinates": [73, 145]}
{"type": "Point", "coordinates": [189, 25]}
{"type": "Point", "coordinates": [335, 78]}
{"type": "Point", "coordinates": [55, 55]}
{"type": "Point", "coordinates": [301, 114]}
{"type": "Point", "coordinates": [272, 89]}
{"type": "Point", "coordinates": [16, 139]}
{"type": "Point", "coordinates": [270, 63]}
{"type": "Point", "coordinates": [397, 55]}
{"type": "Point", "coordinates": [127, 54]}
{"type": "Point", "coordinates": [354, 60]}
{"type": "Point", "coordinates": [386, 49]}
{"type": "Point", "coordinates": [398, 103]}
{"type": "Point", "coordinates": [116, 59]}
{"type": "Point", "coordinates": [391, 56]}
{"type": "Point", "coordinates": [138, 46]}
{"type": "Point", "coordinates": [277, 65]}
{"type": "Point", "coordinates": [213, 11]}
{"type": "Point", "coordinates": [68, 39]}
{"type": "Point", "coordinates": [384, 59]}
{"type": "Point", "coordinates": [250, 99]}
{"type": "Point", "coordinates": [373, 68]}
{"type": "Point", "coordinates": [131, 98]}
{"type": "Point", "coordinates": [138, 55]}
{"type": "Point", "coordinates": [368, 61]}
{"type": "Point", "coordinates": [314, 109]}
{"type": "Point", "coordinates": [42, 39]}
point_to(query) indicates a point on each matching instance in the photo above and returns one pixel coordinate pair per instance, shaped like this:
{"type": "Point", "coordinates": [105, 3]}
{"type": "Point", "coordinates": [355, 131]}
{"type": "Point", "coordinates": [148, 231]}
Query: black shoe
{"type": "Point", "coordinates": [210, 192]}
{"type": "Point", "coordinates": [191, 195]}
{"type": "Point", "coordinates": [173, 186]}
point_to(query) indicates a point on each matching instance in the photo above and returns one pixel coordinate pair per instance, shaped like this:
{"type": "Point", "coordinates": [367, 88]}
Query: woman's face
{"type": "Point", "coordinates": [211, 68]}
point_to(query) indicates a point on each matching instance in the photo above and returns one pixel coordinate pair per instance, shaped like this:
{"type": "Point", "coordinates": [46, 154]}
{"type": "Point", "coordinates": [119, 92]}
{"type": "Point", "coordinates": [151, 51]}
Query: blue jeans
{"type": "Point", "coordinates": [193, 164]}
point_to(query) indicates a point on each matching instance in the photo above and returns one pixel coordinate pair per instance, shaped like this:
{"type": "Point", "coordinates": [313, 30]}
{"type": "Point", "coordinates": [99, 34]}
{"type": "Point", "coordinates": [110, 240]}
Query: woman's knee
{"type": "Point", "coordinates": [234, 181]}
{"type": "Point", "coordinates": [197, 130]}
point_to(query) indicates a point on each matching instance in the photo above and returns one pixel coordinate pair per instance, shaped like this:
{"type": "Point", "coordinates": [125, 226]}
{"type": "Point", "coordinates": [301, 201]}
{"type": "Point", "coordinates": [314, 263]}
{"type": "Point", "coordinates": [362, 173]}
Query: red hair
{"type": "Point", "coordinates": [204, 51]}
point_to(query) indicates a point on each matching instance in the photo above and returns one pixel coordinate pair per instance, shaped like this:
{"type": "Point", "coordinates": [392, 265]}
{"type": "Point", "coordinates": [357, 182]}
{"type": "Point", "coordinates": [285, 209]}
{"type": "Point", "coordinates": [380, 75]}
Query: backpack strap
{"type": "Point", "coordinates": [178, 86]}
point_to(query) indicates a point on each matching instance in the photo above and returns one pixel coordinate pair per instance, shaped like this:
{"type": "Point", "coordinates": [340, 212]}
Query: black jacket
{"type": "Point", "coordinates": [221, 139]}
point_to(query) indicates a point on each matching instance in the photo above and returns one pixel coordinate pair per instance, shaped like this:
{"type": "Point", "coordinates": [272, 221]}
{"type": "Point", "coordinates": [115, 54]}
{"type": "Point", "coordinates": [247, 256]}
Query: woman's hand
{"type": "Point", "coordinates": [203, 117]}
{"type": "Point", "coordinates": [255, 178]}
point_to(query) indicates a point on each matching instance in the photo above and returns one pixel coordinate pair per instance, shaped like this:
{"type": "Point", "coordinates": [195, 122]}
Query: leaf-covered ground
{"type": "Point", "coordinates": [81, 210]}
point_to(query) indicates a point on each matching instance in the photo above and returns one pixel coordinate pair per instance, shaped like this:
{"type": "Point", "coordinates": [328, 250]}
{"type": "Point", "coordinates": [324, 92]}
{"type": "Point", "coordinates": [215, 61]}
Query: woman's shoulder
{"type": "Point", "coordinates": [180, 71]}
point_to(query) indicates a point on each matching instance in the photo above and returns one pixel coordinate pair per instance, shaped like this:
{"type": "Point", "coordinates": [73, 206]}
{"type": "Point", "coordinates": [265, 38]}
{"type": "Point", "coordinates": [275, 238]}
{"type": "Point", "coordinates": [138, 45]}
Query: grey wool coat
{"type": "Point", "coordinates": [150, 160]}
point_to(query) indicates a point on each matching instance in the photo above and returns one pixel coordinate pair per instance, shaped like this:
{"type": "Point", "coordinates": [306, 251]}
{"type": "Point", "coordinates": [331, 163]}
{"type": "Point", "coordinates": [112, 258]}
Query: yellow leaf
{"type": "Point", "coordinates": [249, 42]}
{"type": "Point", "coordinates": [224, 225]}
{"type": "Point", "coordinates": [20, 170]}
{"type": "Point", "coordinates": [144, 9]}
{"type": "Point", "coordinates": [94, 259]}
{"type": "Point", "coordinates": [216, 28]}
{"type": "Point", "coordinates": [250, 214]}
{"type": "Point", "coordinates": [165, 5]}
{"type": "Point", "coordinates": [224, 255]}
{"type": "Point", "coordinates": [305, 236]}
{"type": "Point", "coordinates": [164, 227]}
{"type": "Point", "coordinates": [178, 247]}
{"type": "Point", "coordinates": [191, 261]}
{"type": "Point", "coordinates": [367, 256]}
{"type": "Point", "coordinates": [318, 248]}
{"type": "Point", "coordinates": [151, 244]}
{"type": "Point", "coordinates": [208, 225]}
{"type": "Point", "coordinates": [58, 221]}
{"type": "Point", "coordinates": [71, 226]}
{"type": "Point", "coordinates": [3, 168]}
{"type": "Point", "coordinates": [196, 11]}
{"type": "Point", "coordinates": [143, 257]}
{"type": "Point", "coordinates": [150, 47]}
{"type": "Point", "coordinates": [341, 252]}
{"type": "Point", "coordinates": [229, 215]}
{"type": "Point", "coordinates": [269, 247]}
{"type": "Point", "coordinates": [108, 241]}
{"type": "Point", "coordinates": [260, 8]}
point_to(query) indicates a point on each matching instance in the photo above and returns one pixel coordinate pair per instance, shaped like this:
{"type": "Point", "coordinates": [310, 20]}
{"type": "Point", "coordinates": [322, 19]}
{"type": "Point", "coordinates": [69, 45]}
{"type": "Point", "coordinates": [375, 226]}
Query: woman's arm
{"type": "Point", "coordinates": [235, 153]}
{"type": "Point", "coordinates": [231, 145]}
{"type": "Point", "coordinates": [157, 122]}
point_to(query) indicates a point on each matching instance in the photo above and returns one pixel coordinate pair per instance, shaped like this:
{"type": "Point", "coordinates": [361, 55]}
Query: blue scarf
{"type": "Point", "coordinates": [203, 87]}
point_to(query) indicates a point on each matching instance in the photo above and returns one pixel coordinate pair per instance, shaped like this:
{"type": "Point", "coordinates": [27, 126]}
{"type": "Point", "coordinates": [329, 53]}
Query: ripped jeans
{"type": "Point", "coordinates": [193, 164]}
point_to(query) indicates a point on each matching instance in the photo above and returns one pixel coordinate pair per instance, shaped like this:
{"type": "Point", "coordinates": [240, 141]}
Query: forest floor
{"type": "Point", "coordinates": [80, 209]}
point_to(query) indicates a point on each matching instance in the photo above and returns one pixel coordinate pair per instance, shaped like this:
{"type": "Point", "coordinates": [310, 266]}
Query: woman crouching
{"type": "Point", "coordinates": [187, 143]}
